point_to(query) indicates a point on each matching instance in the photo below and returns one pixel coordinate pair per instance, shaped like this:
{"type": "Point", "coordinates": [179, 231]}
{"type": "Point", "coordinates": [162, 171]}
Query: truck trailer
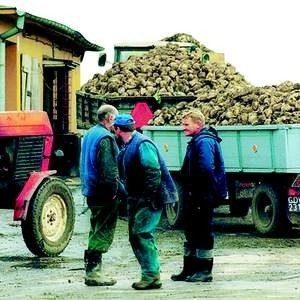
{"type": "Point", "coordinates": [261, 160]}
{"type": "Point", "coordinates": [262, 167]}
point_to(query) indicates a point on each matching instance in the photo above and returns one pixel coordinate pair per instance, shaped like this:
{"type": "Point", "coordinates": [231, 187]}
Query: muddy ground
{"type": "Point", "coordinates": [246, 266]}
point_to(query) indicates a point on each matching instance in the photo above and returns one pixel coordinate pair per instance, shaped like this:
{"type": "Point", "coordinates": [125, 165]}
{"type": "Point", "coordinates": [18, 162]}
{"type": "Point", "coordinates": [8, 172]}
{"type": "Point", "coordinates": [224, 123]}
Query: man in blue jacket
{"type": "Point", "coordinates": [204, 184]}
{"type": "Point", "coordinates": [149, 186]}
{"type": "Point", "coordinates": [99, 179]}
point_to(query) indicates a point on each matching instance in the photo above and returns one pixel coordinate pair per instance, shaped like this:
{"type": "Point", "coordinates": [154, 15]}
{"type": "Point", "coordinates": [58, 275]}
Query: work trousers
{"type": "Point", "coordinates": [198, 228]}
{"type": "Point", "coordinates": [103, 221]}
{"type": "Point", "coordinates": [142, 223]}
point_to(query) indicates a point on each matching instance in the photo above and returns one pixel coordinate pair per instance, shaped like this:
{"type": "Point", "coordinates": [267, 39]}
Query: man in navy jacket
{"type": "Point", "coordinates": [204, 184]}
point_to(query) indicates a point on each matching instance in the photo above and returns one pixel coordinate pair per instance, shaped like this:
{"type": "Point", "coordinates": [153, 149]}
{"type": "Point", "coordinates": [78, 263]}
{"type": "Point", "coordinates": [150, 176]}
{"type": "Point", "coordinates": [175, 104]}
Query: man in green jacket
{"type": "Point", "coordinates": [99, 178]}
{"type": "Point", "coordinates": [149, 186]}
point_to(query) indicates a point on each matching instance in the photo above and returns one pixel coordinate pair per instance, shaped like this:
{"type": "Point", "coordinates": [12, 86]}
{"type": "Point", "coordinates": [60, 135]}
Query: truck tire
{"type": "Point", "coordinates": [174, 212]}
{"type": "Point", "coordinates": [50, 219]}
{"type": "Point", "coordinates": [267, 211]}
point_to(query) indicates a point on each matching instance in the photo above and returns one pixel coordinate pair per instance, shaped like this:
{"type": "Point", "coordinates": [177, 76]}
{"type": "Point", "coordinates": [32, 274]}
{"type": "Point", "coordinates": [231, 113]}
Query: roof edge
{"type": "Point", "coordinates": [76, 36]}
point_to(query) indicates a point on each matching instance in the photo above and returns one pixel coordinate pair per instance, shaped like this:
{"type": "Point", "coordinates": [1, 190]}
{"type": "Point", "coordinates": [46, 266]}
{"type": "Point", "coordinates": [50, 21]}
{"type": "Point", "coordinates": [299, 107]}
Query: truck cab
{"type": "Point", "coordinates": [123, 51]}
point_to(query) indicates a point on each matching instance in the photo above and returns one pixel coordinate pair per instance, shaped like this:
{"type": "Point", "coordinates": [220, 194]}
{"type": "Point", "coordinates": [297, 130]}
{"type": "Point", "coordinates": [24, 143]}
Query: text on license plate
{"type": "Point", "coordinates": [294, 204]}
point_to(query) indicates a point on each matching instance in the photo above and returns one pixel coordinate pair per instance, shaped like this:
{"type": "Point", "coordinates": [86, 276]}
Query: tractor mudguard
{"type": "Point", "coordinates": [31, 185]}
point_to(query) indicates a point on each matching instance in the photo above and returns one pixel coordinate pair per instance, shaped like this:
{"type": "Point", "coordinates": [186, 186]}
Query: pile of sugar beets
{"type": "Point", "coordinates": [223, 95]}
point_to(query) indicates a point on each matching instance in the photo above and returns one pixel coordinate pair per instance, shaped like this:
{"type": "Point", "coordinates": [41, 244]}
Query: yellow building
{"type": "Point", "coordinates": [40, 70]}
{"type": "Point", "coordinates": [40, 66]}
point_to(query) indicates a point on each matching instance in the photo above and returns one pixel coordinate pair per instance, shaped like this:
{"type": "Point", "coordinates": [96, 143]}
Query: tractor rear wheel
{"type": "Point", "coordinates": [50, 219]}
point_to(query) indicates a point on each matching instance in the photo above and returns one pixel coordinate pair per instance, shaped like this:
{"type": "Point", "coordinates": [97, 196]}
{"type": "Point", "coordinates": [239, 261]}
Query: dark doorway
{"type": "Point", "coordinates": [57, 97]}
{"type": "Point", "coordinates": [57, 103]}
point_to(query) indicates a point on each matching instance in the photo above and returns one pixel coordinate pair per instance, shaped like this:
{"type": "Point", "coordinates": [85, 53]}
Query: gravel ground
{"type": "Point", "coordinates": [246, 266]}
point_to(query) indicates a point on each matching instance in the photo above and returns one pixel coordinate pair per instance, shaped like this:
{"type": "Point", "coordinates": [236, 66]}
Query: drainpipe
{"type": "Point", "coordinates": [3, 36]}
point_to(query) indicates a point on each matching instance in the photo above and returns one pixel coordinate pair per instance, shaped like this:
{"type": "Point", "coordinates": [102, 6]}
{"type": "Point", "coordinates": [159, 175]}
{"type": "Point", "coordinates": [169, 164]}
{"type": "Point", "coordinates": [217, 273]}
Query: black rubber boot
{"type": "Point", "coordinates": [187, 270]}
{"type": "Point", "coordinates": [148, 283]}
{"type": "Point", "coordinates": [93, 270]}
{"type": "Point", "coordinates": [204, 271]}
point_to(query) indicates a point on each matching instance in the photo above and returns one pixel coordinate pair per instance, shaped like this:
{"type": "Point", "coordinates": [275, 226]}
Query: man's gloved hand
{"type": "Point", "coordinates": [122, 192]}
{"type": "Point", "coordinates": [135, 203]}
{"type": "Point", "coordinates": [153, 203]}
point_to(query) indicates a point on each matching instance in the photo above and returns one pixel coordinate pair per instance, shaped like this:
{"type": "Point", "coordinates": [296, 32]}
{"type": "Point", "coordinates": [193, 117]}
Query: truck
{"type": "Point", "coordinates": [41, 201]}
{"type": "Point", "coordinates": [262, 166]}
{"type": "Point", "coordinates": [261, 160]}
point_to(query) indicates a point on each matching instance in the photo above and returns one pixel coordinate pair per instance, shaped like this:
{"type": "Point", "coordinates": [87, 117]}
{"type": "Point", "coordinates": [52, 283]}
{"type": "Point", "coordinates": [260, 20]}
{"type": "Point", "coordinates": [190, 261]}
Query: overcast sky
{"type": "Point", "coordinates": [259, 37]}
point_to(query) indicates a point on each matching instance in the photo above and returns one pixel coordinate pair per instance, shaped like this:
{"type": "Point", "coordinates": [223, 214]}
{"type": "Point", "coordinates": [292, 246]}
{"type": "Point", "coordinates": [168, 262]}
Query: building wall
{"type": "Point", "coordinates": [39, 48]}
{"type": "Point", "coordinates": [11, 76]}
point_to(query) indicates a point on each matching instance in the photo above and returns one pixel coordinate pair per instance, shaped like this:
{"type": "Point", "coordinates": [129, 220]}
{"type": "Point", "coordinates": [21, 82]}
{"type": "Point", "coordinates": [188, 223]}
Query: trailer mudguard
{"type": "Point", "coordinates": [31, 185]}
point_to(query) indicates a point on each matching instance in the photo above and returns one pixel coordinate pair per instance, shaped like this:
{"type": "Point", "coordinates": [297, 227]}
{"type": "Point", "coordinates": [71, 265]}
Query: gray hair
{"type": "Point", "coordinates": [105, 111]}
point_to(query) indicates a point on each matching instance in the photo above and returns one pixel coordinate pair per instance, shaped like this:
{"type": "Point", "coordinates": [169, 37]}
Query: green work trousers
{"type": "Point", "coordinates": [142, 223]}
{"type": "Point", "coordinates": [103, 222]}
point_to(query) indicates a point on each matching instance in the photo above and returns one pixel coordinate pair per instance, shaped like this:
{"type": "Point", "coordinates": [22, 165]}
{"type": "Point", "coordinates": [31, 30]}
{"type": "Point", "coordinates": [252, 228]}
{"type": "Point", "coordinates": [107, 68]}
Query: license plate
{"type": "Point", "coordinates": [294, 204]}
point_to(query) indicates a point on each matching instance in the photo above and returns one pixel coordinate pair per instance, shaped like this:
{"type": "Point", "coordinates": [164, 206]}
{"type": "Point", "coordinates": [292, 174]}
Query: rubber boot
{"type": "Point", "coordinates": [187, 270]}
{"type": "Point", "coordinates": [93, 270]}
{"type": "Point", "coordinates": [148, 283]}
{"type": "Point", "coordinates": [204, 271]}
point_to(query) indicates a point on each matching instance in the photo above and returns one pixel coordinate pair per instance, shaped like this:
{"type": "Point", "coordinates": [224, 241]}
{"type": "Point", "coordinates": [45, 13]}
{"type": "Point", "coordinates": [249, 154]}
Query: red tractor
{"type": "Point", "coordinates": [43, 203]}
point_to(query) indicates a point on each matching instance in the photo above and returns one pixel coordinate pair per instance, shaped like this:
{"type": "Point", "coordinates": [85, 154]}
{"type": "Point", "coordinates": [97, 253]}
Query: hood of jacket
{"type": "Point", "coordinates": [209, 132]}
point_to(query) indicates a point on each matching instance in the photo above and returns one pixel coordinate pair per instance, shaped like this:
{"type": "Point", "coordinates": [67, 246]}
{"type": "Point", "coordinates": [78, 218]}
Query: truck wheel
{"type": "Point", "coordinates": [267, 214]}
{"type": "Point", "coordinates": [49, 223]}
{"type": "Point", "coordinates": [174, 212]}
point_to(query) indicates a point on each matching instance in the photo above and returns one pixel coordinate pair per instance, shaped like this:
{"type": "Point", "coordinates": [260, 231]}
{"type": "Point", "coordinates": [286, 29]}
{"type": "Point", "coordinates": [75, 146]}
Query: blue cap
{"type": "Point", "coordinates": [124, 120]}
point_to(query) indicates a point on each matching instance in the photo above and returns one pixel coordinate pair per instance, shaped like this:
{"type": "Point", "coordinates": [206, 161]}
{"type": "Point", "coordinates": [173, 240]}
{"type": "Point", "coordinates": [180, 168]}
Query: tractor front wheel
{"type": "Point", "coordinates": [50, 219]}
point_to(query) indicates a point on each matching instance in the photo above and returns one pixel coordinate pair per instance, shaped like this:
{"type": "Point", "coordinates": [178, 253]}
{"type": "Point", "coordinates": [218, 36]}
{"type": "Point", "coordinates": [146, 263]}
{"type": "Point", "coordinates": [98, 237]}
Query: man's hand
{"type": "Point", "coordinates": [153, 203]}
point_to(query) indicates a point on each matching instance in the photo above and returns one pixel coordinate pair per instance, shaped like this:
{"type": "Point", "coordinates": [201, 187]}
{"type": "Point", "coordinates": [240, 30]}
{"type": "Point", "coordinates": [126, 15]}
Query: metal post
{"type": "Point", "coordinates": [3, 36]}
{"type": "Point", "coordinates": [2, 76]}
